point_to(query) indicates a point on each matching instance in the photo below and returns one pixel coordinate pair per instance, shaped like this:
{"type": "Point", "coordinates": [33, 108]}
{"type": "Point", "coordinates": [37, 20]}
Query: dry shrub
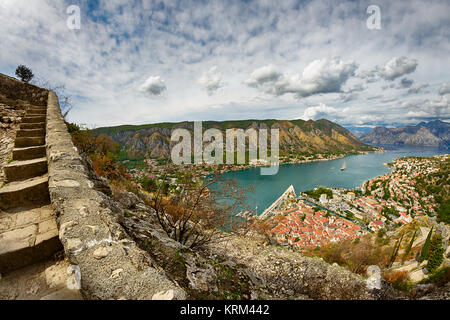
{"type": "Point", "coordinates": [356, 256]}
{"type": "Point", "coordinates": [201, 210]}
{"type": "Point", "coordinates": [398, 279]}
{"type": "Point", "coordinates": [102, 151]}
{"type": "Point", "coordinates": [261, 228]}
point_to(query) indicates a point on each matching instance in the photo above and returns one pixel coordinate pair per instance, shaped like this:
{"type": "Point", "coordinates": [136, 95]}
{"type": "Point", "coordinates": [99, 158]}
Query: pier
{"type": "Point", "coordinates": [278, 202]}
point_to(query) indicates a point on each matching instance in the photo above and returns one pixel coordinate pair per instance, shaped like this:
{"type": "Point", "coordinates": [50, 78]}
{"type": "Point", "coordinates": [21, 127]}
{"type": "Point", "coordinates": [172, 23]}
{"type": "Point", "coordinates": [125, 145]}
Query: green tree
{"type": "Point", "coordinates": [436, 255]}
{"type": "Point", "coordinates": [24, 73]}
{"type": "Point", "coordinates": [396, 248]}
{"type": "Point", "coordinates": [408, 249]}
{"type": "Point", "coordinates": [149, 185]}
{"type": "Point", "coordinates": [426, 247]}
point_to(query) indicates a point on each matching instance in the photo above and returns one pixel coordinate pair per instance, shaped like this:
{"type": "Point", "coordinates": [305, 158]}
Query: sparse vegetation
{"type": "Point", "coordinates": [64, 99]}
{"type": "Point", "coordinates": [399, 280]}
{"type": "Point", "coordinates": [354, 255]}
{"type": "Point", "coordinates": [440, 277]}
{"type": "Point", "coordinates": [102, 151]}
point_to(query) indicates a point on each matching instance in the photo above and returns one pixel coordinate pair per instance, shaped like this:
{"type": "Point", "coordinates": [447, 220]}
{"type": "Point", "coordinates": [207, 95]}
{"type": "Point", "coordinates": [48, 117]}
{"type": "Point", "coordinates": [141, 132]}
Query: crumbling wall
{"type": "Point", "coordinates": [15, 96]}
{"type": "Point", "coordinates": [110, 263]}
{"type": "Point", "coordinates": [9, 118]}
{"type": "Point", "coordinates": [17, 92]}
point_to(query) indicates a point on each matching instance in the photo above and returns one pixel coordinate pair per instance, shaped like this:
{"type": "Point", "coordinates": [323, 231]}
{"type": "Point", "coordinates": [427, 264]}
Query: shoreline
{"type": "Point", "coordinates": [295, 161]}
{"type": "Point", "coordinates": [389, 165]}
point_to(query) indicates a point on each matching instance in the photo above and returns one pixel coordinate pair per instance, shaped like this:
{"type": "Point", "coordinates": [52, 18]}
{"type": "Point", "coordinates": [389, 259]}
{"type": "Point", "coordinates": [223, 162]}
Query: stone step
{"type": "Point", "coordinates": [31, 112]}
{"type": "Point", "coordinates": [44, 280]}
{"type": "Point", "coordinates": [32, 237]}
{"type": "Point", "coordinates": [25, 169]}
{"type": "Point", "coordinates": [25, 142]}
{"type": "Point", "coordinates": [29, 192]}
{"type": "Point", "coordinates": [30, 133]}
{"type": "Point", "coordinates": [28, 153]}
{"type": "Point", "coordinates": [39, 125]}
{"type": "Point", "coordinates": [33, 119]}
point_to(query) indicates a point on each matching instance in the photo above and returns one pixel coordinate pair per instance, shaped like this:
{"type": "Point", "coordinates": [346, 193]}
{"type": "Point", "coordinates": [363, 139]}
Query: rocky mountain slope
{"type": "Point", "coordinates": [434, 133]}
{"type": "Point", "coordinates": [359, 131]}
{"type": "Point", "coordinates": [296, 136]}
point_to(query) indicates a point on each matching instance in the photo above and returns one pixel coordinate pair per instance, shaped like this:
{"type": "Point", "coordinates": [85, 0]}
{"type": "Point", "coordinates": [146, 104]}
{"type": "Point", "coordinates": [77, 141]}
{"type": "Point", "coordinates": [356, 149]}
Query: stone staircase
{"type": "Point", "coordinates": [28, 229]}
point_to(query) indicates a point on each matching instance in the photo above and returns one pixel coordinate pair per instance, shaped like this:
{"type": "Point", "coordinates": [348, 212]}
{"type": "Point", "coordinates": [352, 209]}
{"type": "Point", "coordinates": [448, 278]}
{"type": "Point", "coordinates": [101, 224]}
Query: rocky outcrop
{"type": "Point", "coordinates": [110, 263]}
{"type": "Point", "coordinates": [292, 274]}
{"type": "Point", "coordinates": [432, 292]}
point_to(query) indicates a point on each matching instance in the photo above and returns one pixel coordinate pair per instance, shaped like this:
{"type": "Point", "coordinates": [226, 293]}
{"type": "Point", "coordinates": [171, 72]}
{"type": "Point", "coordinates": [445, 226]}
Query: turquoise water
{"type": "Point", "coordinates": [306, 176]}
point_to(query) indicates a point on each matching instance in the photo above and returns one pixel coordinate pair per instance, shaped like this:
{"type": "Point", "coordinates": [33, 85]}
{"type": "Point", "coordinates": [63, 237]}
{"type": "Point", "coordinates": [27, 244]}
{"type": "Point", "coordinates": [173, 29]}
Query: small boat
{"type": "Point", "coordinates": [344, 166]}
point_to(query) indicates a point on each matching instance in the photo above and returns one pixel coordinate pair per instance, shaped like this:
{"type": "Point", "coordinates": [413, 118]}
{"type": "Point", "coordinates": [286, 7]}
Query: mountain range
{"type": "Point", "coordinates": [435, 134]}
{"type": "Point", "coordinates": [296, 136]}
{"type": "Point", "coordinates": [359, 131]}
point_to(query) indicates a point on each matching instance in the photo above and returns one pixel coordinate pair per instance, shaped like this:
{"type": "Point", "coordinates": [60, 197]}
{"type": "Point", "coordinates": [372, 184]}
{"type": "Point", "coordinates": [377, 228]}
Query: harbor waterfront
{"type": "Point", "coordinates": [307, 176]}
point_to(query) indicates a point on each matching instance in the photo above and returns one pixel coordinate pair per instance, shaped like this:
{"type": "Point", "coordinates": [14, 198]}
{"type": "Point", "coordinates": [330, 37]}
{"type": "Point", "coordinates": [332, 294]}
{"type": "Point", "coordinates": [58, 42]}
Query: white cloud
{"type": "Point", "coordinates": [417, 87]}
{"type": "Point", "coordinates": [266, 74]}
{"type": "Point", "coordinates": [398, 67]}
{"type": "Point", "coordinates": [211, 80]}
{"type": "Point", "coordinates": [318, 112]}
{"type": "Point", "coordinates": [324, 76]}
{"type": "Point", "coordinates": [119, 45]}
{"type": "Point", "coordinates": [444, 89]}
{"type": "Point", "coordinates": [320, 76]}
{"type": "Point", "coordinates": [153, 86]}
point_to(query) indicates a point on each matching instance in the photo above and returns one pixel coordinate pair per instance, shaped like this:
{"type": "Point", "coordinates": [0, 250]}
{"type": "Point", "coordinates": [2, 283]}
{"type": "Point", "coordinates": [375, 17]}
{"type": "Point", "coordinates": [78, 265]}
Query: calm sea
{"type": "Point", "coordinates": [306, 176]}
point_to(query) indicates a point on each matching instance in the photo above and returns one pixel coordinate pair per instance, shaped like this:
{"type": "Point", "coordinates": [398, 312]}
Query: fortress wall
{"type": "Point", "coordinates": [15, 96]}
{"type": "Point", "coordinates": [18, 91]}
{"type": "Point", "coordinates": [110, 263]}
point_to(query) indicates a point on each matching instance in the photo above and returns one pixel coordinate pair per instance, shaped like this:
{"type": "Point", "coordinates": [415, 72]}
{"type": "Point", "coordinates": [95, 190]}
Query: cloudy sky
{"type": "Point", "coordinates": [145, 61]}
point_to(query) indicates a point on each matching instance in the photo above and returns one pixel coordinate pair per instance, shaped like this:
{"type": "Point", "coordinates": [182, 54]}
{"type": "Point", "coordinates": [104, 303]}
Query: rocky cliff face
{"type": "Point", "coordinates": [296, 136]}
{"type": "Point", "coordinates": [435, 134]}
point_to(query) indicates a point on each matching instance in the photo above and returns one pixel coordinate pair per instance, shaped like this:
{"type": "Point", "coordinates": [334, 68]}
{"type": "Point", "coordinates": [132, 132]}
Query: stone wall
{"type": "Point", "coordinates": [110, 263]}
{"type": "Point", "coordinates": [9, 118]}
{"type": "Point", "coordinates": [18, 91]}
{"type": "Point", "coordinates": [15, 96]}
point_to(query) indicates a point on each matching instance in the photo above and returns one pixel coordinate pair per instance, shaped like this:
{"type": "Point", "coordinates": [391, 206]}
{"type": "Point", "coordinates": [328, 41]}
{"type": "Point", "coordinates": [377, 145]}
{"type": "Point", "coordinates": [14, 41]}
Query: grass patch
{"type": "Point", "coordinates": [180, 258]}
